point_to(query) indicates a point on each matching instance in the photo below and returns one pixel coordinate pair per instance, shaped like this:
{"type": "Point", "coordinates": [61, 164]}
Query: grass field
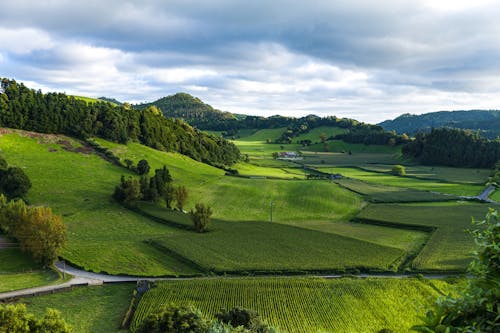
{"type": "Point", "coordinates": [447, 174]}
{"type": "Point", "coordinates": [252, 197]}
{"type": "Point", "coordinates": [18, 271]}
{"type": "Point", "coordinates": [387, 179]}
{"type": "Point", "coordinates": [450, 246]}
{"type": "Point", "coordinates": [314, 134]}
{"type": "Point", "coordinates": [305, 304]}
{"type": "Point", "coordinates": [87, 309]}
{"type": "Point", "coordinates": [339, 146]}
{"type": "Point", "coordinates": [324, 159]}
{"type": "Point", "coordinates": [262, 135]}
{"type": "Point", "coordinates": [247, 247]}
{"type": "Point", "coordinates": [247, 169]}
{"type": "Point", "coordinates": [381, 193]}
{"type": "Point", "coordinates": [103, 236]}
{"type": "Point", "coordinates": [496, 196]}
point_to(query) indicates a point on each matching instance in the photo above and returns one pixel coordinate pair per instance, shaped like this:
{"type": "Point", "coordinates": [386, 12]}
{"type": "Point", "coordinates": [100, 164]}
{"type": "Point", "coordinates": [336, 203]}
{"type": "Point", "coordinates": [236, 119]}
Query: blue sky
{"type": "Point", "coordinates": [368, 60]}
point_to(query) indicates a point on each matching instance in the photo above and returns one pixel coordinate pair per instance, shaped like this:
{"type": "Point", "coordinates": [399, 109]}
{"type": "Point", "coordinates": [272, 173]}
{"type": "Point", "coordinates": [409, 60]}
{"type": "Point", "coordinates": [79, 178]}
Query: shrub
{"type": "Point", "coordinates": [201, 216]}
{"type": "Point", "coordinates": [398, 170]}
{"type": "Point", "coordinates": [174, 319]}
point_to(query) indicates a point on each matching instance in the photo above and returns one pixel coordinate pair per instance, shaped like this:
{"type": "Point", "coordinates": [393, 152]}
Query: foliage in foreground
{"type": "Point", "coordinates": [39, 231]}
{"type": "Point", "coordinates": [201, 216]}
{"type": "Point", "coordinates": [187, 319]}
{"type": "Point", "coordinates": [16, 319]}
{"type": "Point", "coordinates": [476, 309]}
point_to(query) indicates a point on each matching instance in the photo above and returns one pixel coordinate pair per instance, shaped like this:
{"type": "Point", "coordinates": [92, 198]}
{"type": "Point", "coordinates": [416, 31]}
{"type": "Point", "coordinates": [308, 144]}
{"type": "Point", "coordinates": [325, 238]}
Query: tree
{"type": "Point", "coordinates": [14, 182]}
{"type": "Point", "coordinates": [16, 319]}
{"type": "Point", "coordinates": [128, 163]}
{"type": "Point", "coordinates": [143, 167]}
{"type": "Point", "coordinates": [322, 137]}
{"type": "Point", "coordinates": [398, 170]}
{"type": "Point", "coordinates": [42, 234]}
{"type": "Point", "coordinates": [168, 195]}
{"type": "Point", "coordinates": [174, 319]}
{"type": "Point", "coordinates": [201, 216]}
{"type": "Point", "coordinates": [181, 195]}
{"type": "Point", "coordinates": [476, 308]}
{"type": "Point", "coordinates": [128, 191]}
{"type": "Point", "coordinates": [275, 155]}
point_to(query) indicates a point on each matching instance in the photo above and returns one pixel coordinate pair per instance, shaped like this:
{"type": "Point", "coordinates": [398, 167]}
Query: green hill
{"type": "Point", "coordinates": [486, 122]}
{"type": "Point", "coordinates": [190, 109]}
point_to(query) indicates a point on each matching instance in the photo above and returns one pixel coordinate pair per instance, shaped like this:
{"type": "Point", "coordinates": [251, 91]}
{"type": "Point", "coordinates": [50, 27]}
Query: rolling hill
{"type": "Point", "coordinates": [486, 122]}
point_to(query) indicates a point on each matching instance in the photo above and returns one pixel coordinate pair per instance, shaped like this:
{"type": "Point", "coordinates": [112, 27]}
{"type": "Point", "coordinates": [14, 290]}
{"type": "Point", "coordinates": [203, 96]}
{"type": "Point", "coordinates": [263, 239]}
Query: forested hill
{"type": "Point", "coordinates": [27, 109]}
{"type": "Point", "coordinates": [487, 122]}
{"type": "Point", "coordinates": [192, 110]}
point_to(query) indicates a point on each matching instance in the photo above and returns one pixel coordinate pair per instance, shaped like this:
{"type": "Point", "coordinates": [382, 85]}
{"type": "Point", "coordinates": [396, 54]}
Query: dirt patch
{"type": "Point", "coordinates": [68, 146]}
{"type": "Point", "coordinates": [52, 150]}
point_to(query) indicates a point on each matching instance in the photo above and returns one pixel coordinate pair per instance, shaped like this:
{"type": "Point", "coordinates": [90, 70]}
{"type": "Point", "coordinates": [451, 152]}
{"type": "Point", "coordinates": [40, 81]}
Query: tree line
{"type": "Point", "coordinates": [453, 147]}
{"type": "Point", "coordinates": [27, 109]}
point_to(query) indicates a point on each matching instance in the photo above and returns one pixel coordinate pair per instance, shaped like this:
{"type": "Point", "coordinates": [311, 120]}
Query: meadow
{"type": "Point", "coordinates": [314, 134]}
{"type": "Point", "coordinates": [87, 309]}
{"type": "Point", "coordinates": [102, 235]}
{"type": "Point", "coordinates": [305, 304]}
{"type": "Point", "coordinates": [388, 179]}
{"type": "Point", "coordinates": [450, 246]}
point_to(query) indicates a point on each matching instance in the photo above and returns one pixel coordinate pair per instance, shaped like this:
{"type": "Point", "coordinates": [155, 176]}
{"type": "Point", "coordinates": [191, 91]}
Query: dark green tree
{"type": "Point", "coordinates": [174, 319]}
{"type": "Point", "coordinates": [143, 167]}
{"type": "Point", "coordinates": [15, 318]}
{"type": "Point", "coordinates": [14, 182]}
{"type": "Point", "coordinates": [128, 191]}
{"type": "Point", "coordinates": [169, 195]}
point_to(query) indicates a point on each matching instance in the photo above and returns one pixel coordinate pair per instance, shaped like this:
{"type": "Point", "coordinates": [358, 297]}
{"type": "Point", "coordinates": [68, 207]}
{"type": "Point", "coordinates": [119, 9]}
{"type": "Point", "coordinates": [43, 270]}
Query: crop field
{"type": "Point", "coordinates": [18, 271]}
{"type": "Point", "coordinates": [447, 174]}
{"type": "Point", "coordinates": [87, 309]}
{"type": "Point", "coordinates": [449, 246]}
{"type": "Point", "coordinates": [297, 305]}
{"type": "Point", "coordinates": [387, 179]}
{"type": "Point", "coordinates": [381, 193]}
{"type": "Point", "coordinates": [102, 235]}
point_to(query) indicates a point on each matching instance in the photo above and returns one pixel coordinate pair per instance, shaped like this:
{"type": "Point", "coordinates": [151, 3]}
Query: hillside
{"type": "Point", "coordinates": [56, 113]}
{"type": "Point", "coordinates": [487, 122]}
{"type": "Point", "coordinates": [190, 109]}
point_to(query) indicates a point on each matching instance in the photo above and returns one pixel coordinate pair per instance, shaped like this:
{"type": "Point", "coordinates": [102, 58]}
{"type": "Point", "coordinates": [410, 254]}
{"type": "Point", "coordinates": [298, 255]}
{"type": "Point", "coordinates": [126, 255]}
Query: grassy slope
{"type": "Point", "coordinates": [314, 134]}
{"type": "Point", "coordinates": [305, 305]}
{"type": "Point", "coordinates": [18, 271]}
{"type": "Point", "coordinates": [103, 236]}
{"type": "Point", "coordinates": [341, 146]}
{"type": "Point", "coordinates": [324, 159]}
{"type": "Point", "coordinates": [262, 135]}
{"type": "Point", "coordinates": [450, 246]}
{"type": "Point", "coordinates": [496, 196]}
{"type": "Point", "coordinates": [87, 309]}
{"type": "Point", "coordinates": [408, 182]}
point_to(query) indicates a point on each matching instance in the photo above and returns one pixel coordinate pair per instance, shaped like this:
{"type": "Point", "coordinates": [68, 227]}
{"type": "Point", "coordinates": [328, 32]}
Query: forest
{"type": "Point", "coordinates": [57, 113]}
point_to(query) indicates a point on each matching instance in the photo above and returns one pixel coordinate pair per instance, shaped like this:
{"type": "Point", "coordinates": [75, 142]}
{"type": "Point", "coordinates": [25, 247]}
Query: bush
{"type": "Point", "coordinates": [14, 318]}
{"type": "Point", "coordinates": [398, 170]}
{"type": "Point", "coordinates": [143, 167]}
{"type": "Point", "coordinates": [173, 319]}
{"type": "Point", "coordinates": [201, 216]}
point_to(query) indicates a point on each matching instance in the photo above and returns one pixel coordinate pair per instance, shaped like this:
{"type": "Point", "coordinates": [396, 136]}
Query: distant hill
{"type": "Point", "coordinates": [486, 122]}
{"type": "Point", "coordinates": [192, 110]}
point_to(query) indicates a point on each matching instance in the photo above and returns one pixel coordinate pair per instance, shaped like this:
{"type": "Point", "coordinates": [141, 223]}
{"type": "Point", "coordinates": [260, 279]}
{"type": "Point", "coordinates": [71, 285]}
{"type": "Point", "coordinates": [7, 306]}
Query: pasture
{"type": "Point", "coordinates": [18, 271]}
{"type": "Point", "coordinates": [388, 179]}
{"type": "Point", "coordinates": [297, 305]}
{"type": "Point", "coordinates": [87, 309]}
{"type": "Point", "coordinates": [314, 134]}
{"type": "Point", "coordinates": [449, 247]}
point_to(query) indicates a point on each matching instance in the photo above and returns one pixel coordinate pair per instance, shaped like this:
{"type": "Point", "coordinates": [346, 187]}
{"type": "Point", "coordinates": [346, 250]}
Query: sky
{"type": "Point", "coordinates": [363, 59]}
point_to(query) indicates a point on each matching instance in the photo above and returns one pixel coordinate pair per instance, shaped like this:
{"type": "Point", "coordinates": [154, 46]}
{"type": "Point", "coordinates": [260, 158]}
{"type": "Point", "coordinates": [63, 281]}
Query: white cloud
{"type": "Point", "coordinates": [24, 41]}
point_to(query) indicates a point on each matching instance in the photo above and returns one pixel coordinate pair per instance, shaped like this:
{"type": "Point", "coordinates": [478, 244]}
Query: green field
{"type": "Point", "coordinates": [305, 304]}
{"type": "Point", "coordinates": [102, 235]}
{"type": "Point", "coordinates": [250, 170]}
{"type": "Point", "coordinates": [381, 193]}
{"type": "Point", "coordinates": [87, 309]}
{"type": "Point", "coordinates": [324, 159]}
{"type": "Point", "coordinates": [245, 247]}
{"type": "Point", "coordinates": [262, 135]}
{"type": "Point", "coordinates": [447, 174]}
{"type": "Point", "coordinates": [449, 246]}
{"type": "Point", "coordinates": [496, 196]}
{"type": "Point", "coordinates": [340, 146]}
{"type": "Point", "coordinates": [314, 134]}
{"type": "Point", "coordinates": [387, 179]}
{"type": "Point", "coordinates": [18, 271]}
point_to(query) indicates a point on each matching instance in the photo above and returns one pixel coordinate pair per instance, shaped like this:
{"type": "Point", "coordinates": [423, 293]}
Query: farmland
{"type": "Point", "coordinates": [387, 179]}
{"type": "Point", "coordinates": [450, 246]}
{"type": "Point", "coordinates": [305, 304]}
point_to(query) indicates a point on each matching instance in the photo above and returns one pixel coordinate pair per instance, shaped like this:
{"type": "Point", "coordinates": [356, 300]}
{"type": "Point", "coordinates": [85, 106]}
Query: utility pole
{"type": "Point", "coordinates": [271, 213]}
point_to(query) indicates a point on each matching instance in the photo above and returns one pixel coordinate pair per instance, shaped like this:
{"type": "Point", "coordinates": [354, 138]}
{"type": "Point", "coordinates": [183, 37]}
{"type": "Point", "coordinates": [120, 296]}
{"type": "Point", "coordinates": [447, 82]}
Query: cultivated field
{"type": "Point", "coordinates": [450, 246]}
{"type": "Point", "coordinates": [305, 304]}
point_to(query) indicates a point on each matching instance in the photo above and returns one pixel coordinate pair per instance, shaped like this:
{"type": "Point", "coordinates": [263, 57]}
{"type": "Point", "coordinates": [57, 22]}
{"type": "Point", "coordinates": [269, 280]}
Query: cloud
{"type": "Point", "coordinates": [344, 57]}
